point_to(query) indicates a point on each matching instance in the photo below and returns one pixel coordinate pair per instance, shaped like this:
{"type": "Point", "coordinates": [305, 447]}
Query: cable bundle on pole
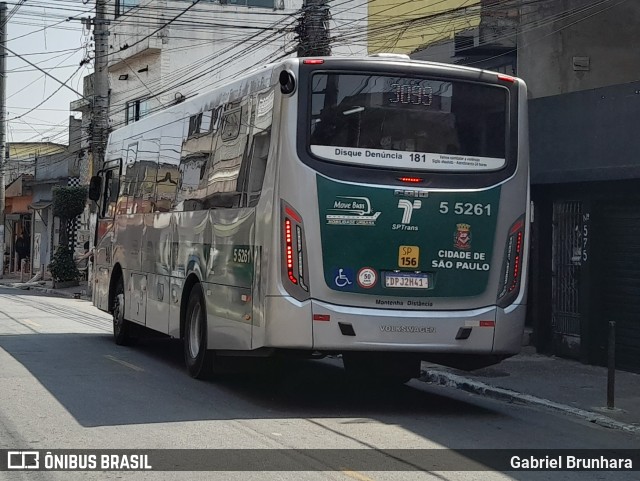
{"type": "Point", "coordinates": [313, 29]}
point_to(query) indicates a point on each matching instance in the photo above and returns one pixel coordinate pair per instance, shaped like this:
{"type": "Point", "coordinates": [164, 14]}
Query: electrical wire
{"type": "Point", "coordinates": [201, 73]}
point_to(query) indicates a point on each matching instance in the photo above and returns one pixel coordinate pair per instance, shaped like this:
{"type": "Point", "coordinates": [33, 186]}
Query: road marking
{"type": "Point", "coordinates": [31, 323]}
{"type": "Point", "coordinates": [356, 475]}
{"type": "Point", "coordinates": [124, 363]}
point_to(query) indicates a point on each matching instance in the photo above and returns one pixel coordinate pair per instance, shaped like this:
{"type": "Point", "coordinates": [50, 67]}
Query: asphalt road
{"type": "Point", "coordinates": [64, 384]}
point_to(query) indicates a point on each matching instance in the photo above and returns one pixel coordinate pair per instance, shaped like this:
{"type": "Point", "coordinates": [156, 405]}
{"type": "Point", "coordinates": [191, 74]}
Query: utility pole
{"type": "Point", "coordinates": [313, 29]}
{"type": "Point", "coordinates": [3, 124]}
{"type": "Point", "coordinates": [100, 111]}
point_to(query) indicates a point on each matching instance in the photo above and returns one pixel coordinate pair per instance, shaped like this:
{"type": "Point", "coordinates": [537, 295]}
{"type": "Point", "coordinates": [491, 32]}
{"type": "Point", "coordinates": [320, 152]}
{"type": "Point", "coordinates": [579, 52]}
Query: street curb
{"type": "Point", "coordinates": [56, 292]}
{"type": "Point", "coordinates": [475, 387]}
{"type": "Point", "coordinates": [53, 292]}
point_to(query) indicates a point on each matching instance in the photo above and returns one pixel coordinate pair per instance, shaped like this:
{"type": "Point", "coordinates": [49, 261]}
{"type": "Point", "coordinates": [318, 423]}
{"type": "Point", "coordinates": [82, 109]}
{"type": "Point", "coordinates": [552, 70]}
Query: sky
{"type": "Point", "coordinates": [39, 32]}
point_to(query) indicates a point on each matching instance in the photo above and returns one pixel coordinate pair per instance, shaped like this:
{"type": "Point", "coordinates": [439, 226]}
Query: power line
{"type": "Point", "coordinates": [64, 84]}
{"type": "Point", "coordinates": [202, 74]}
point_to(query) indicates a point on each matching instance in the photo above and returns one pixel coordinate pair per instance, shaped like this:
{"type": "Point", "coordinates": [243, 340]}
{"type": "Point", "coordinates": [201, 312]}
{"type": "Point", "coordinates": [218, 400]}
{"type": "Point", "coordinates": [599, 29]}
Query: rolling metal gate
{"type": "Point", "coordinates": [620, 278]}
{"type": "Point", "coordinates": [566, 262]}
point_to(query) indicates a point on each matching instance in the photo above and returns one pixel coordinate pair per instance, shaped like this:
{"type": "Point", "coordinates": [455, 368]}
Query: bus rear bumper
{"type": "Point", "coordinates": [319, 326]}
{"type": "Point", "coordinates": [488, 330]}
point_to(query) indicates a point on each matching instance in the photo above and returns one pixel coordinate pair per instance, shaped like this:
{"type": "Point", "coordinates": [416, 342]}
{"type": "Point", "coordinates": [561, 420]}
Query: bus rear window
{"type": "Point", "coordinates": [408, 123]}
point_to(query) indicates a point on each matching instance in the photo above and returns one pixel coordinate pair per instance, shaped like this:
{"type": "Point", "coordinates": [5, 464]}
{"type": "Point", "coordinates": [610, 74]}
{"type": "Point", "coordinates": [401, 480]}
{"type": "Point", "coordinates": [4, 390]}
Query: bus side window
{"type": "Point", "coordinates": [107, 193]}
{"type": "Point", "coordinates": [232, 122]}
{"type": "Point", "coordinates": [256, 160]}
{"type": "Point", "coordinates": [146, 175]}
{"type": "Point", "coordinates": [188, 187]}
{"type": "Point", "coordinates": [194, 124]}
{"type": "Point", "coordinates": [169, 177]}
{"type": "Point", "coordinates": [258, 166]}
{"type": "Point", "coordinates": [130, 175]}
{"type": "Point", "coordinates": [111, 191]}
{"type": "Point", "coordinates": [220, 184]}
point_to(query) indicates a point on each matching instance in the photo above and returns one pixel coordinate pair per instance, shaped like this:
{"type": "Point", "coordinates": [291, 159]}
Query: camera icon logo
{"type": "Point", "coordinates": [23, 460]}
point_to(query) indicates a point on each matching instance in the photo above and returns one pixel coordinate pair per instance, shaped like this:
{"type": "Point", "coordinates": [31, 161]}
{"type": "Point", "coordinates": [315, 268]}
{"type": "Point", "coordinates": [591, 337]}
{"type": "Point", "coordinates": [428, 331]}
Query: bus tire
{"type": "Point", "coordinates": [121, 327]}
{"type": "Point", "coordinates": [198, 359]}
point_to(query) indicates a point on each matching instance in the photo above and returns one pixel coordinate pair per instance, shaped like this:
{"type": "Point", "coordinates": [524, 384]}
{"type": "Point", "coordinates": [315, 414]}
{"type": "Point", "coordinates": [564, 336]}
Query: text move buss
{"type": "Point", "coordinates": [372, 207]}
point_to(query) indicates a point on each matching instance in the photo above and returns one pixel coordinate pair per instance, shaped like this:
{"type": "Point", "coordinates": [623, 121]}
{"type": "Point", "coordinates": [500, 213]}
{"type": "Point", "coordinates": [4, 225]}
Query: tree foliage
{"type": "Point", "coordinates": [69, 202]}
{"type": "Point", "coordinates": [63, 267]}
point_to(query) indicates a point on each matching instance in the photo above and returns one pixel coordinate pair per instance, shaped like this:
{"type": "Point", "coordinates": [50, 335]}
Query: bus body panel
{"type": "Point", "coordinates": [267, 238]}
{"type": "Point", "coordinates": [158, 302]}
{"type": "Point", "coordinates": [156, 260]}
{"type": "Point", "coordinates": [289, 325]}
{"type": "Point", "coordinates": [509, 329]}
{"type": "Point", "coordinates": [175, 300]}
{"type": "Point", "coordinates": [158, 251]}
{"type": "Point", "coordinates": [101, 278]}
{"type": "Point", "coordinates": [217, 246]}
{"type": "Point", "coordinates": [228, 328]}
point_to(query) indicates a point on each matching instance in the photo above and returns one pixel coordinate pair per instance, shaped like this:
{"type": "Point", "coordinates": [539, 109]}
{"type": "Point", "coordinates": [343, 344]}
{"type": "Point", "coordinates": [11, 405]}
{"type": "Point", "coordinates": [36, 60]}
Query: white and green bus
{"type": "Point", "coordinates": [375, 208]}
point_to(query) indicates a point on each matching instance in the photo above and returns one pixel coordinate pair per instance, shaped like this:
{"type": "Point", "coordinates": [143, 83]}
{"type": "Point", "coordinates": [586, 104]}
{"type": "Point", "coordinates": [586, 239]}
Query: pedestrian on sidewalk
{"type": "Point", "coordinates": [83, 260]}
{"type": "Point", "coordinates": [22, 249]}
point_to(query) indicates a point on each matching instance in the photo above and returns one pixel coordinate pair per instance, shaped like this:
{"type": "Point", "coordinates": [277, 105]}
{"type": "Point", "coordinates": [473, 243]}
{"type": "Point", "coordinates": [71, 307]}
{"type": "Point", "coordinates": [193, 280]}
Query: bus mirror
{"type": "Point", "coordinates": [287, 82]}
{"type": "Point", "coordinates": [95, 186]}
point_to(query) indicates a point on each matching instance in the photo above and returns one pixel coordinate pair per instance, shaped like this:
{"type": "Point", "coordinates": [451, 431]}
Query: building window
{"type": "Point", "coordinates": [136, 109]}
{"type": "Point", "coordinates": [123, 6]}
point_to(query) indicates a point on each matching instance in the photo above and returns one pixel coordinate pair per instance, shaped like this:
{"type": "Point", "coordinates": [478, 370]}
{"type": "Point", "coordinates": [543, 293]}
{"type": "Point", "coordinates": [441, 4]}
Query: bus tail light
{"type": "Point", "coordinates": [411, 180]}
{"type": "Point", "coordinates": [511, 274]}
{"type": "Point", "coordinates": [294, 253]}
{"type": "Point", "coordinates": [506, 78]}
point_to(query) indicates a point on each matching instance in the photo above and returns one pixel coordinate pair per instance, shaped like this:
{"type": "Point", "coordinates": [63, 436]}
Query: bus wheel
{"type": "Point", "coordinates": [121, 327]}
{"type": "Point", "coordinates": [379, 369]}
{"type": "Point", "coordinates": [199, 361]}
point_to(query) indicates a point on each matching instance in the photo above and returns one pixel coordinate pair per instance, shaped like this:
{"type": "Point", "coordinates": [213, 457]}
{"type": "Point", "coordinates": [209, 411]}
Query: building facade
{"type": "Point", "coordinates": [60, 169]}
{"type": "Point", "coordinates": [17, 219]}
{"type": "Point", "coordinates": [489, 42]}
{"type": "Point", "coordinates": [584, 85]}
{"type": "Point", "coordinates": [164, 51]}
{"type": "Point", "coordinates": [19, 171]}
{"type": "Point", "coordinates": [21, 157]}
{"type": "Point", "coordinates": [404, 27]}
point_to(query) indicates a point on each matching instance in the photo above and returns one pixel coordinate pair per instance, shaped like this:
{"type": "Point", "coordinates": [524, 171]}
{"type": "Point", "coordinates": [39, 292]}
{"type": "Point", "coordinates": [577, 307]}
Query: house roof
{"type": "Point", "coordinates": [15, 188]}
{"type": "Point", "coordinates": [42, 204]}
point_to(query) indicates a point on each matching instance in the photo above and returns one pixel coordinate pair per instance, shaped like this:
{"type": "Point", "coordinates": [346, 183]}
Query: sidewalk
{"type": "Point", "coordinates": [553, 383]}
{"type": "Point", "coordinates": [77, 292]}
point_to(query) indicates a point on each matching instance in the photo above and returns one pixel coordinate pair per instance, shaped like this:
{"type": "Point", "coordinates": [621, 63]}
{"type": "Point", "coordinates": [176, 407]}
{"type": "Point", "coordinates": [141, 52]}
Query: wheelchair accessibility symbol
{"type": "Point", "coordinates": [343, 278]}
